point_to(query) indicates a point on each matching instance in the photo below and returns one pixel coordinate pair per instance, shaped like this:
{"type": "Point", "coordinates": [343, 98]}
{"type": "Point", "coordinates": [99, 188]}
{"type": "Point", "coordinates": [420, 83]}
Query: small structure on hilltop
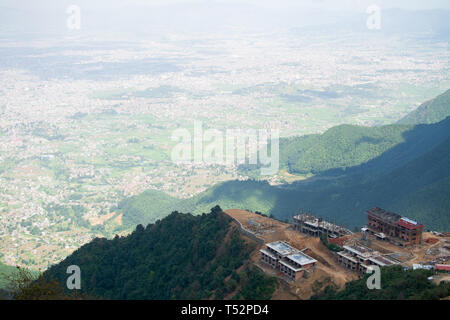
{"type": "Point", "coordinates": [290, 261]}
{"type": "Point", "coordinates": [316, 227]}
{"type": "Point", "coordinates": [260, 225]}
{"type": "Point", "coordinates": [365, 235]}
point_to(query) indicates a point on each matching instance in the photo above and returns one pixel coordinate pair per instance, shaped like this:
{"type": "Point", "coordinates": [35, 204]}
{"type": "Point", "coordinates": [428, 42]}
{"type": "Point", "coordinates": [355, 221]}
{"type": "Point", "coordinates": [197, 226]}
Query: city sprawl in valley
{"type": "Point", "coordinates": [84, 126]}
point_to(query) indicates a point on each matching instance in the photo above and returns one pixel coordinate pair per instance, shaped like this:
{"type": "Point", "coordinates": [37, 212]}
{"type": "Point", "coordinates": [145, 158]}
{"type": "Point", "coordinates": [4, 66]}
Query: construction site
{"type": "Point", "coordinates": [292, 262]}
{"type": "Point", "coordinates": [316, 267]}
{"type": "Point", "coordinates": [316, 227]}
{"type": "Point", "coordinates": [389, 226]}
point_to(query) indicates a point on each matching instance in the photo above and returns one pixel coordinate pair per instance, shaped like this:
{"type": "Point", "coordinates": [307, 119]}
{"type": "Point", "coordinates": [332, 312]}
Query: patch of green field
{"type": "Point", "coordinates": [113, 94]}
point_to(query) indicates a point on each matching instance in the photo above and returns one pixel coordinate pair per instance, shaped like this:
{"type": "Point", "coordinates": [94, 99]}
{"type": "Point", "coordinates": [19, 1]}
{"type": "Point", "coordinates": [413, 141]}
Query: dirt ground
{"type": "Point", "coordinates": [327, 271]}
{"type": "Point", "coordinates": [441, 278]}
{"type": "Point", "coordinates": [421, 254]}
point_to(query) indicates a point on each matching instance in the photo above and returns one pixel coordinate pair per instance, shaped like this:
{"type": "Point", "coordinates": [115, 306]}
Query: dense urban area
{"type": "Point", "coordinates": [84, 126]}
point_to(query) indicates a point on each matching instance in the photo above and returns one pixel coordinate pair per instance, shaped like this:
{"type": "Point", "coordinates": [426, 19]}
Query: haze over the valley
{"type": "Point", "coordinates": [87, 111]}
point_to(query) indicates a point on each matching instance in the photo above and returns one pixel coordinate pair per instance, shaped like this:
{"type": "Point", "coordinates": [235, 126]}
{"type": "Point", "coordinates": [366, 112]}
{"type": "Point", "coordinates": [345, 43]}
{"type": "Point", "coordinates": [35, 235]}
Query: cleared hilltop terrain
{"type": "Point", "coordinates": [216, 256]}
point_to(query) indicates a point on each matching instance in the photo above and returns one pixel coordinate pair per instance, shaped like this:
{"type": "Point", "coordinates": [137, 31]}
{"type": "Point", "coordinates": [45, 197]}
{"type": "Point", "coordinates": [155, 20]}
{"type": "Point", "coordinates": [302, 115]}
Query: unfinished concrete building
{"type": "Point", "coordinates": [316, 227]}
{"type": "Point", "coordinates": [288, 260]}
{"type": "Point", "coordinates": [358, 258]}
{"type": "Point", "coordinates": [389, 226]}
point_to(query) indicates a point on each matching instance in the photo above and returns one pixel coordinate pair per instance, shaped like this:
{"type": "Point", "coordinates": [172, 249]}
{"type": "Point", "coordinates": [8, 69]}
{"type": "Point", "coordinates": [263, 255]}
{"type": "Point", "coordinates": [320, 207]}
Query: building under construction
{"type": "Point", "coordinates": [291, 262]}
{"type": "Point", "coordinates": [359, 258]}
{"type": "Point", "coordinates": [316, 227]}
{"type": "Point", "coordinates": [392, 227]}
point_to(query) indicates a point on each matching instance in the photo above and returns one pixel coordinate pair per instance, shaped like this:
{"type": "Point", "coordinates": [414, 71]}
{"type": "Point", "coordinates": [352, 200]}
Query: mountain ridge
{"type": "Point", "coordinates": [181, 256]}
{"type": "Point", "coordinates": [431, 111]}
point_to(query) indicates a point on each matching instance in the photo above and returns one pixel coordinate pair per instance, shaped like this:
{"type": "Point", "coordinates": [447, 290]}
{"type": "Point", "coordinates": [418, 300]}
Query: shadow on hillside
{"type": "Point", "coordinates": [417, 141]}
{"type": "Point", "coordinates": [392, 180]}
{"type": "Point", "coordinates": [387, 181]}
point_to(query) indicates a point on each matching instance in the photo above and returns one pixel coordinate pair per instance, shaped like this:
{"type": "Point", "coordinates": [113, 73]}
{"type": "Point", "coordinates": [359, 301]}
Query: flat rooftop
{"type": "Point", "coordinates": [384, 260]}
{"type": "Point", "coordinates": [409, 220]}
{"type": "Point", "coordinates": [387, 216]}
{"type": "Point", "coordinates": [358, 249]}
{"type": "Point", "coordinates": [316, 223]}
{"type": "Point", "coordinates": [301, 258]}
{"type": "Point", "coordinates": [281, 247]}
{"type": "Point", "coordinates": [409, 224]}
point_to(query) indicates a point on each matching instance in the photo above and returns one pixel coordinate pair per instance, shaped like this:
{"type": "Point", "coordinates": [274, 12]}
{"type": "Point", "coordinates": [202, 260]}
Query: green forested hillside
{"type": "Point", "coordinates": [338, 148]}
{"type": "Point", "coordinates": [148, 207]}
{"type": "Point", "coordinates": [8, 273]}
{"type": "Point", "coordinates": [253, 195]}
{"type": "Point", "coordinates": [179, 257]}
{"type": "Point", "coordinates": [346, 146]}
{"type": "Point", "coordinates": [399, 167]}
{"type": "Point", "coordinates": [5, 271]}
{"type": "Point", "coordinates": [417, 141]}
{"type": "Point", "coordinates": [421, 196]}
{"type": "Point", "coordinates": [431, 111]}
{"type": "Point", "coordinates": [411, 178]}
{"type": "Point", "coordinates": [418, 189]}
{"type": "Point", "coordinates": [396, 284]}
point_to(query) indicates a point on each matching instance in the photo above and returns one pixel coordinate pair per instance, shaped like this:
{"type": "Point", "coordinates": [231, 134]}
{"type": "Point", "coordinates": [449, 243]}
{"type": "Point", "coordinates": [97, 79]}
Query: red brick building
{"type": "Point", "coordinates": [393, 227]}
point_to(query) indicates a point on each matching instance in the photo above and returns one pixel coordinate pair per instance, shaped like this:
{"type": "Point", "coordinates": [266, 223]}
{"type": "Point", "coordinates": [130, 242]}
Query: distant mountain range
{"type": "Point", "coordinates": [402, 167]}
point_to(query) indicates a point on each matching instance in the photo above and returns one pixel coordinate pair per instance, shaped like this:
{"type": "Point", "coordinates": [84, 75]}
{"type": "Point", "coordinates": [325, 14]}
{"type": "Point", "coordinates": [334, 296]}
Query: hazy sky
{"type": "Point", "coordinates": [37, 16]}
{"type": "Point", "coordinates": [325, 4]}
